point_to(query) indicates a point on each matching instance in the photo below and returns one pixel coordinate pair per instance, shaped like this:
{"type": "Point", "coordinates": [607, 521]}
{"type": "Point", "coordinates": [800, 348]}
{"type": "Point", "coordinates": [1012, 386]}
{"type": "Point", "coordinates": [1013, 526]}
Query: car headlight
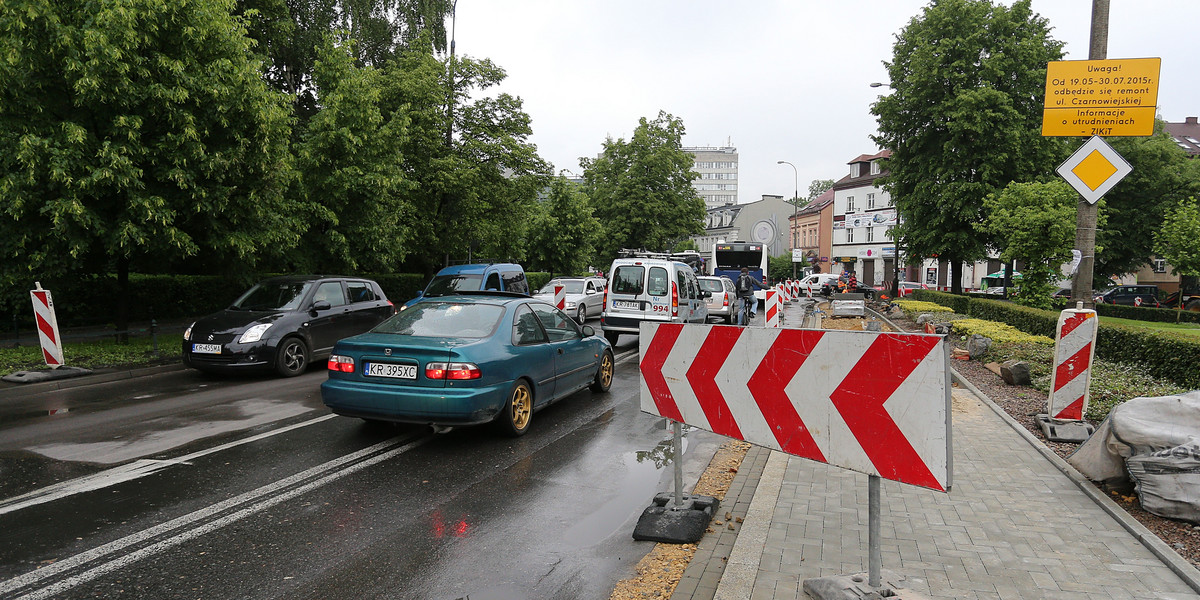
{"type": "Point", "coordinates": [569, 305]}
{"type": "Point", "coordinates": [187, 333]}
{"type": "Point", "coordinates": [254, 333]}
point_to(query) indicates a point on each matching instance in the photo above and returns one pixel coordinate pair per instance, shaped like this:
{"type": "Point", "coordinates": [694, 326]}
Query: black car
{"type": "Point", "coordinates": [1129, 295]}
{"type": "Point", "coordinates": [284, 323]}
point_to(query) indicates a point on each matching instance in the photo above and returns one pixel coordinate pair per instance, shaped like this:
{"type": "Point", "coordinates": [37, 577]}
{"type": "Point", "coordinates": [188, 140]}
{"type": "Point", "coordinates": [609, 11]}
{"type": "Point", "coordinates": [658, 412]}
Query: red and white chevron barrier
{"type": "Point", "coordinates": [1074, 348]}
{"type": "Point", "coordinates": [876, 403]}
{"type": "Point", "coordinates": [47, 325]}
{"type": "Point", "coordinates": [560, 297]}
{"type": "Point", "coordinates": [771, 309]}
{"type": "Point", "coordinates": [795, 288]}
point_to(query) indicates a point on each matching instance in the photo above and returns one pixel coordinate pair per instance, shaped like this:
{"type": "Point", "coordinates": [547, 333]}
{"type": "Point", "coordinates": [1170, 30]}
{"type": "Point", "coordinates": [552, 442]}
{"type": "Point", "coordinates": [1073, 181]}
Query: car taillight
{"type": "Point", "coordinates": [725, 299]}
{"type": "Point", "coordinates": [674, 300]}
{"type": "Point", "coordinates": [341, 364]}
{"type": "Point", "coordinates": [441, 370]}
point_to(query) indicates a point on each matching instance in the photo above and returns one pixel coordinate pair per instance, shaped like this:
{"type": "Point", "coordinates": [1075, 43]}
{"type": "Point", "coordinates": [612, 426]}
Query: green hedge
{"type": "Point", "coordinates": [1145, 313]}
{"type": "Point", "coordinates": [1165, 355]}
{"type": "Point", "coordinates": [92, 301]}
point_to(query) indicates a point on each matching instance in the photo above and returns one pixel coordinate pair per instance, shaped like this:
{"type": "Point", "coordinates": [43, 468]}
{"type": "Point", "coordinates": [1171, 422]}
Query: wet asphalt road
{"type": "Point", "coordinates": [186, 486]}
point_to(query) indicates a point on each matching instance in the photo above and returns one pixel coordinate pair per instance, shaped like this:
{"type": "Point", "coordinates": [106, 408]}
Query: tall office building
{"type": "Point", "coordinates": [717, 175]}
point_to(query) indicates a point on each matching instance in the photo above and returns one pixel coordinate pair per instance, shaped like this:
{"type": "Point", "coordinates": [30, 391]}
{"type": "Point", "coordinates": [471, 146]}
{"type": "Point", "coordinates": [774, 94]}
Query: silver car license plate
{"type": "Point", "coordinates": [626, 304]}
{"type": "Point", "coordinates": [374, 369]}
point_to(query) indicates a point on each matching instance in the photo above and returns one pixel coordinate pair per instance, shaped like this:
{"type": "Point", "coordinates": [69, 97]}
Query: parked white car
{"type": "Point", "coordinates": [584, 295]}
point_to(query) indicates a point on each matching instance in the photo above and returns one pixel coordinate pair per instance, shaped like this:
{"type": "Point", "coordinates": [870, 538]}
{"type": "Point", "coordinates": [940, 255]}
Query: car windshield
{"type": "Point", "coordinates": [273, 295]}
{"type": "Point", "coordinates": [444, 320]}
{"type": "Point", "coordinates": [444, 285]}
{"type": "Point", "coordinates": [711, 285]}
{"type": "Point", "coordinates": [573, 286]}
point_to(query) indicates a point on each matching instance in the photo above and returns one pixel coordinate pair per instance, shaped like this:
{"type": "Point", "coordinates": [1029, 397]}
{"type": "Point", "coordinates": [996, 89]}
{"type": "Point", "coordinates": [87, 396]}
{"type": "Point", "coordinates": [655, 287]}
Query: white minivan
{"type": "Point", "coordinates": [650, 289]}
{"type": "Point", "coordinates": [811, 285]}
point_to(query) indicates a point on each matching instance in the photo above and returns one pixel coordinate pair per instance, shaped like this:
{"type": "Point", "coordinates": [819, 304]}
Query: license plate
{"type": "Point", "coordinates": [627, 305]}
{"type": "Point", "coordinates": [206, 348]}
{"type": "Point", "coordinates": [374, 369]}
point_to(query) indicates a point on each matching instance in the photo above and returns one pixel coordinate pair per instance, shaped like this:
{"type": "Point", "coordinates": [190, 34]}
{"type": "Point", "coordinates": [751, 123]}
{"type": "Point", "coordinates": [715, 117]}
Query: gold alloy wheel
{"type": "Point", "coordinates": [521, 407]}
{"type": "Point", "coordinates": [606, 370]}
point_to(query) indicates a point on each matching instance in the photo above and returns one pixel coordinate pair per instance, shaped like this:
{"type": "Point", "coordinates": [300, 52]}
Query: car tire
{"type": "Point", "coordinates": [581, 314]}
{"type": "Point", "coordinates": [612, 337]}
{"type": "Point", "coordinates": [604, 373]}
{"type": "Point", "coordinates": [291, 358]}
{"type": "Point", "coordinates": [514, 420]}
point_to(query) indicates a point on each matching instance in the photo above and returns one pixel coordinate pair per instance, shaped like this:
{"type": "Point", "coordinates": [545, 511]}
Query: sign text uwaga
{"type": "Point", "coordinates": [1101, 97]}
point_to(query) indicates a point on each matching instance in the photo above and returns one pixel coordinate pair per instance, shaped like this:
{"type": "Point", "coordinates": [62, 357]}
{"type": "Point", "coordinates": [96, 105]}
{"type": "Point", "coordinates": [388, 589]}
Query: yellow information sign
{"type": "Point", "coordinates": [1101, 97]}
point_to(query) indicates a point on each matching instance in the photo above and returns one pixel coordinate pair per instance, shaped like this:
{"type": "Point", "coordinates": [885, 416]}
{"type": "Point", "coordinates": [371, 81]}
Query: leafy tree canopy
{"type": "Point", "coordinates": [641, 189]}
{"type": "Point", "coordinates": [136, 133]}
{"type": "Point", "coordinates": [1162, 178]}
{"type": "Point", "coordinates": [563, 231]}
{"type": "Point", "coordinates": [1033, 223]}
{"type": "Point", "coordinates": [1178, 242]}
{"type": "Point", "coordinates": [964, 119]}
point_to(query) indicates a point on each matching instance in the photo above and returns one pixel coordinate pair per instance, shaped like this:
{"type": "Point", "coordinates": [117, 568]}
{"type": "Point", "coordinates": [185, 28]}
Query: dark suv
{"type": "Point", "coordinates": [284, 323]}
{"type": "Point", "coordinates": [1130, 295]}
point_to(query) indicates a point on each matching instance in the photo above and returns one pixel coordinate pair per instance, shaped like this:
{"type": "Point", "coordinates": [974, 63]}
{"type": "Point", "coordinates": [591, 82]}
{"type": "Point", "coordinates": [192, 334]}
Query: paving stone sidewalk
{"type": "Point", "coordinates": [1013, 526]}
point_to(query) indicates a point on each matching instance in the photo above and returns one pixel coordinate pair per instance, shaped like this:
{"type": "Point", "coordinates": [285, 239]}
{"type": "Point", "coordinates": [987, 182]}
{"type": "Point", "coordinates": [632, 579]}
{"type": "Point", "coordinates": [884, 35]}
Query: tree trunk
{"type": "Point", "coordinates": [955, 275]}
{"type": "Point", "coordinates": [122, 321]}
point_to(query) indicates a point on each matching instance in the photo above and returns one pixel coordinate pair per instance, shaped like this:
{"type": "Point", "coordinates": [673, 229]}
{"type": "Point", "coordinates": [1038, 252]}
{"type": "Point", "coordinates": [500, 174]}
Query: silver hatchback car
{"type": "Point", "coordinates": [723, 304]}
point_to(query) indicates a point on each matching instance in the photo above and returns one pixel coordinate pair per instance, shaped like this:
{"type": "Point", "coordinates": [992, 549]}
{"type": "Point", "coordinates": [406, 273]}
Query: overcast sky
{"type": "Point", "coordinates": [777, 79]}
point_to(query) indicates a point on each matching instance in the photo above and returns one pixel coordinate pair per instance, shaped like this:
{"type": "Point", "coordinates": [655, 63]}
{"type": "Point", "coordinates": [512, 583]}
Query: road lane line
{"type": "Point", "coordinates": [381, 451]}
{"type": "Point", "coordinates": [130, 471]}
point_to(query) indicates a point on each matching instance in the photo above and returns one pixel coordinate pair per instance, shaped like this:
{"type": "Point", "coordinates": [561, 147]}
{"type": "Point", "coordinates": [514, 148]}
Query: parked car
{"type": "Point", "coordinates": [722, 304]}
{"type": "Point", "coordinates": [651, 289]}
{"type": "Point", "coordinates": [584, 295]}
{"type": "Point", "coordinates": [1129, 295]}
{"type": "Point", "coordinates": [504, 277]}
{"type": "Point", "coordinates": [467, 359]}
{"type": "Point", "coordinates": [811, 284]}
{"type": "Point", "coordinates": [284, 323]}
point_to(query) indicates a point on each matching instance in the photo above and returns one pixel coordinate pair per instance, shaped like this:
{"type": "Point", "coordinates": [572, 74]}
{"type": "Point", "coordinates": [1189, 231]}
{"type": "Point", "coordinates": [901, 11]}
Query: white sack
{"type": "Point", "coordinates": [1138, 427]}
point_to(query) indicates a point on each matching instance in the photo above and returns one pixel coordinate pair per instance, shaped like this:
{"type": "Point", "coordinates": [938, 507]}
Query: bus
{"type": "Point", "coordinates": [728, 258]}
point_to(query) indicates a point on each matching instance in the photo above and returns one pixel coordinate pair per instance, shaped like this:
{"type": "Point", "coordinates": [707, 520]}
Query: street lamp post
{"type": "Point", "coordinates": [795, 210]}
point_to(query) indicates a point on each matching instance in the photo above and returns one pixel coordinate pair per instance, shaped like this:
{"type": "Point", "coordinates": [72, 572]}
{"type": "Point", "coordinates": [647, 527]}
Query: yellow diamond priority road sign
{"type": "Point", "coordinates": [1094, 169]}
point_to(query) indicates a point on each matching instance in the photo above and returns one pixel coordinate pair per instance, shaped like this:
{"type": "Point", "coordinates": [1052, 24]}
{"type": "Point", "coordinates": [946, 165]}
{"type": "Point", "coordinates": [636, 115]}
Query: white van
{"type": "Point", "coordinates": [811, 285]}
{"type": "Point", "coordinates": [650, 289]}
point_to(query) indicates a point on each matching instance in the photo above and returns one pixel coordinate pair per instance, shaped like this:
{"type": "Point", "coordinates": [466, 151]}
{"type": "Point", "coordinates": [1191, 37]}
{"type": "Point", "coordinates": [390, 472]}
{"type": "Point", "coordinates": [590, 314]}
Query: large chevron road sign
{"type": "Point", "coordinates": [876, 403]}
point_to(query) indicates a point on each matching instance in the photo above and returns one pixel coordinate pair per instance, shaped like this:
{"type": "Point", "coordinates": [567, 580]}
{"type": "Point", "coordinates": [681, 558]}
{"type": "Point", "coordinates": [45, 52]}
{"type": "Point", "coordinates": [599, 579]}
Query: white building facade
{"type": "Point", "coordinates": [717, 175]}
{"type": "Point", "coordinates": [863, 218]}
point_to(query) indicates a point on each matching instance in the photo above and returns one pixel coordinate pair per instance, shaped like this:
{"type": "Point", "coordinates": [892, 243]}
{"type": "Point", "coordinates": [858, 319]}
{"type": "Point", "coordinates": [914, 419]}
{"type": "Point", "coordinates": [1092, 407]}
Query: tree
{"type": "Point", "coordinates": [818, 187]}
{"type": "Point", "coordinates": [1163, 177]}
{"type": "Point", "coordinates": [289, 34]}
{"type": "Point", "coordinates": [563, 232]}
{"type": "Point", "coordinates": [1033, 223]}
{"type": "Point", "coordinates": [352, 170]}
{"type": "Point", "coordinates": [136, 133]}
{"type": "Point", "coordinates": [642, 188]}
{"type": "Point", "coordinates": [475, 195]}
{"type": "Point", "coordinates": [1178, 242]}
{"type": "Point", "coordinates": [964, 120]}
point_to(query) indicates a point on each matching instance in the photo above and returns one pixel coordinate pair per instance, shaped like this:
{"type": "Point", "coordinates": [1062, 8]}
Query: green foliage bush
{"type": "Point", "coordinates": [954, 302]}
{"type": "Point", "coordinates": [997, 331]}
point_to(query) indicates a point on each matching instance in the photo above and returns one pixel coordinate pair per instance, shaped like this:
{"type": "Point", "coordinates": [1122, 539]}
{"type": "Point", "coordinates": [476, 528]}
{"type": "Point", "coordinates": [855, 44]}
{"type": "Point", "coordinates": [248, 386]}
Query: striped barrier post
{"type": "Point", "coordinates": [771, 310]}
{"type": "Point", "coordinates": [47, 325]}
{"type": "Point", "coordinates": [560, 297]}
{"type": "Point", "coordinates": [1071, 379]}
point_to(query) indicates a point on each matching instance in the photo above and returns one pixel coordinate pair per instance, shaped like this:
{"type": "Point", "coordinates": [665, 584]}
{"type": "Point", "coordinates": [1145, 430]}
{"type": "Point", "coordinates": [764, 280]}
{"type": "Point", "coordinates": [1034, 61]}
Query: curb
{"type": "Point", "coordinates": [23, 390]}
{"type": "Point", "coordinates": [1180, 566]}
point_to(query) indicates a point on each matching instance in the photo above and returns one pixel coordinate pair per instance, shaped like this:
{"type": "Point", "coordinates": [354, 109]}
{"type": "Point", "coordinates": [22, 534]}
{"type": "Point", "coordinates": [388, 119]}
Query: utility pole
{"type": "Point", "coordinates": [1085, 215]}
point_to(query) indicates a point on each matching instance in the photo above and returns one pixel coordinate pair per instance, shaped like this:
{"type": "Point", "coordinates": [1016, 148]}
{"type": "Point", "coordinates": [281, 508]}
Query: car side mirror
{"type": "Point", "coordinates": [420, 293]}
{"type": "Point", "coordinates": [321, 305]}
{"type": "Point", "coordinates": [588, 331]}
{"type": "Point", "coordinates": [590, 292]}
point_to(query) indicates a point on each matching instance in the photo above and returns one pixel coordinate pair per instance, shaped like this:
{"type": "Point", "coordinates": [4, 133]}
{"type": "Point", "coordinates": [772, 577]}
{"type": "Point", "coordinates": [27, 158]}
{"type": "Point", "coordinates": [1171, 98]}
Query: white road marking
{"type": "Point", "coordinates": [129, 472]}
{"type": "Point", "coordinates": [254, 502]}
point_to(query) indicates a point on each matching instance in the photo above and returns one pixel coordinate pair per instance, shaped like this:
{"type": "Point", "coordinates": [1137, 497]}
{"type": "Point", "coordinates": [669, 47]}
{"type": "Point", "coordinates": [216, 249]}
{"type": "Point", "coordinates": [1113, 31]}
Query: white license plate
{"type": "Point", "coordinates": [627, 305]}
{"type": "Point", "coordinates": [206, 348]}
{"type": "Point", "coordinates": [374, 369]}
